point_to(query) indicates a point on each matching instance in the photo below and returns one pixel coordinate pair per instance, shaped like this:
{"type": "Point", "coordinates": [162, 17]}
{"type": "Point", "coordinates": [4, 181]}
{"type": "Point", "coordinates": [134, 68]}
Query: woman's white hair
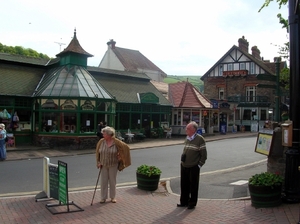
{"type": "Point", "coordinates": [2, 125]}
{"type": "Point", "coordinates": [109, 131]}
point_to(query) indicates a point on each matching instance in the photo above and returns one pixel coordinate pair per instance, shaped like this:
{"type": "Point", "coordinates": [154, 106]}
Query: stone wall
{"type": "Point", "coordinates": [66, 142]}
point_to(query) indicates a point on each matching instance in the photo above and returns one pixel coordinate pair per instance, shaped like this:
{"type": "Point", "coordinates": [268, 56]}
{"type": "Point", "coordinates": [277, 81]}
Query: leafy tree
{"type": "Point", "coordinates": [22, 51]}
{"type": "Point", "coordinates": [285, 49]}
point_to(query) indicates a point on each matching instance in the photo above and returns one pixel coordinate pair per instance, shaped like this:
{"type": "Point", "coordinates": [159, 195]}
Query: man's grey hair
{"type": "Point", "coordinates": [194, 124]}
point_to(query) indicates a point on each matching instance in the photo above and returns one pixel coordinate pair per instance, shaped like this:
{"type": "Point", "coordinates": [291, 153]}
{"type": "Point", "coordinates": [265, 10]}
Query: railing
{"type": "Point", "coordinates": [239, 99]}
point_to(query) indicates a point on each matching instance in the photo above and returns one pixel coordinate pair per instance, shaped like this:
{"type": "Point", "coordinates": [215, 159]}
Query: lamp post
{"type": "Point", "coordinates": [277, 97]}
{"type": "Point", "coordinates": [292, 175]}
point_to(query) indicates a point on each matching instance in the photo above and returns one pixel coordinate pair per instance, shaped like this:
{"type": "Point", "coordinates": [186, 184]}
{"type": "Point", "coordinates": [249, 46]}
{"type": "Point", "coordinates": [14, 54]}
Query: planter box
{"type": "Point", "coordinates": [265, 196]}
{"type": "Point", "coordinates": [147, 183]}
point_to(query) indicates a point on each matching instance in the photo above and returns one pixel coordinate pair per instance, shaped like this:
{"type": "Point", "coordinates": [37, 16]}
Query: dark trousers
{"type": "Point", "coordinates": [189, 183]}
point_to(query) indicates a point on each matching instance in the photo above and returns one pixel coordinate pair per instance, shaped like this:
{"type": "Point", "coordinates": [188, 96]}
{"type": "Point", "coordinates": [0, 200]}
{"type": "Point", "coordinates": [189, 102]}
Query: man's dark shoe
{"type": "Point", "coordinates": [191, 207]}
{"type": "Point", "coordinates": [181, 205]}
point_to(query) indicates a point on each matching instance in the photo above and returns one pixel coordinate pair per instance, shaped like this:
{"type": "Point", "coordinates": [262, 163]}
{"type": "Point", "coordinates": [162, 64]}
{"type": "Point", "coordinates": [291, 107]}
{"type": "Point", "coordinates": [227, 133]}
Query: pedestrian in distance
{"type": "Point", "coordinates": [192, 159]}
{"type": "Point", "coordinates": [99, 128]}
{"type": "Point", "coordinates": [2, 142]}
{"type": "Point", "coordinates": [111, 155]}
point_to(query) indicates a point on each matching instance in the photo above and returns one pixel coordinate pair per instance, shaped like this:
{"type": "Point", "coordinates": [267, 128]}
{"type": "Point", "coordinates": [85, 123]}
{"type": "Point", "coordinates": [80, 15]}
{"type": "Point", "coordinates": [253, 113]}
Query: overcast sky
{"type": "Point", "coordinates": [180, 37]}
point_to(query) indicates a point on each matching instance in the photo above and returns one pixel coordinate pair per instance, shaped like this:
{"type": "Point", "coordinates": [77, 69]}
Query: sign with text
{"type": "Point", "coordinates": [264, 143]}
{"type": "Point", "coordinates": [62, 182]}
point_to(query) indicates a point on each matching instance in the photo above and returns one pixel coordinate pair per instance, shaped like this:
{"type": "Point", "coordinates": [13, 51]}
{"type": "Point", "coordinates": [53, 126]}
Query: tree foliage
{"type": "Point", "coordinates": [284, 51]}
{"type": "Point", "coordinates": [22, 51]}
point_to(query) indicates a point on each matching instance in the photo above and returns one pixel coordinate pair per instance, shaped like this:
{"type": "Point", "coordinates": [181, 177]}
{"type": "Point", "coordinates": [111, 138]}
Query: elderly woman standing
{"type": "Point", "coordinates": [111, 155]}
{"type": "Point", "coordinates": [2, 142]}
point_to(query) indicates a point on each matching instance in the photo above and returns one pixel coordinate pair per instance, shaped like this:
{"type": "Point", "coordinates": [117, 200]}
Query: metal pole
{"type": "Point", "coordinates": [277, 97]}
{"type": "Point", "coordinates": [292, 175]}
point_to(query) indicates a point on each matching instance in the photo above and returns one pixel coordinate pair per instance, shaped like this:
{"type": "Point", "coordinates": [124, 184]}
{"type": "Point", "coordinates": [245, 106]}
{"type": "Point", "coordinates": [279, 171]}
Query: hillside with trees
{"type": "Point", "coordinates": [22, 51]}
{"type": "Point", "coordinates": [194, 80]}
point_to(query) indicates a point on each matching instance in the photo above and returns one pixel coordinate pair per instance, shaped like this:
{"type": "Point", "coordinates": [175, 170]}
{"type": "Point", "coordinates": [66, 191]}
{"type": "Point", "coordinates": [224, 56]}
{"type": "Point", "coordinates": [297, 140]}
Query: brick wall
{"type": "Point", "coordinates": [234, 86]}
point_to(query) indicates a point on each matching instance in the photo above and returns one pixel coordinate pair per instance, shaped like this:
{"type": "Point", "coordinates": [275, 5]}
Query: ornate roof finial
{"type": "Point", "coordinates": [75, 32]}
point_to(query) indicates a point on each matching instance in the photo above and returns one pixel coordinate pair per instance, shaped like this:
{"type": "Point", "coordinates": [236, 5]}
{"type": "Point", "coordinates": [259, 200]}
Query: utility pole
{"type": "Point", "coordinates": [292, 174]}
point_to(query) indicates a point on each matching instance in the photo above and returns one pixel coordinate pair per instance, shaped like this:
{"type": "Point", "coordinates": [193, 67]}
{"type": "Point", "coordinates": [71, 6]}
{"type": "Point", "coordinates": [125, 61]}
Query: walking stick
{"type": "Point", "coordinates": [96, 186]}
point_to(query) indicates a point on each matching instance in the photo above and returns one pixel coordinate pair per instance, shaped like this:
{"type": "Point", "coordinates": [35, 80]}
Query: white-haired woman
{"type": "Point", "coordinates": [111, 155]}
{"type": "Point", "coordinates": [2, 142]}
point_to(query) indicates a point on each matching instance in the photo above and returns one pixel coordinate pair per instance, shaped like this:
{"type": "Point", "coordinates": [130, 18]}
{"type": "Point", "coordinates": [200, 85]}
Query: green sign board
{"type": "Point", "coordinates": [62, 182]}
{"type": "Point", "coordinates": [149, 98]}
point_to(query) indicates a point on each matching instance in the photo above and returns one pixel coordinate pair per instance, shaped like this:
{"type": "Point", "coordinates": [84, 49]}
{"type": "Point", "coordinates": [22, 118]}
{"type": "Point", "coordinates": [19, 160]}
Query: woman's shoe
{"type": "Point", "coordinates": [113, 200]}
{"type": "Point", "coordinates": [102, 201]}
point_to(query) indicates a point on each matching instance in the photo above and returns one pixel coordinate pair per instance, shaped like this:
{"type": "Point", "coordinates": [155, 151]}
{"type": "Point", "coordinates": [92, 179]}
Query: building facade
{"type": "Point", "coordinates": [61, 101]}
{"type": "Point", "coordinates": [243, 87]}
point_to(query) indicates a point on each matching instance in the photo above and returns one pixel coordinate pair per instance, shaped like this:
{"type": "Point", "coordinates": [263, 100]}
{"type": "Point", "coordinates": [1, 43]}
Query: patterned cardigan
{"type": "Point", "coordinates": [123, 151]}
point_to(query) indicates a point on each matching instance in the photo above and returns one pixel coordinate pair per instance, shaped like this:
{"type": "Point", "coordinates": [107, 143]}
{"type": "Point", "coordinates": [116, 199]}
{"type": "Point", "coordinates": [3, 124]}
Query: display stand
{"type": "Point", "coordinates": [56, 187]}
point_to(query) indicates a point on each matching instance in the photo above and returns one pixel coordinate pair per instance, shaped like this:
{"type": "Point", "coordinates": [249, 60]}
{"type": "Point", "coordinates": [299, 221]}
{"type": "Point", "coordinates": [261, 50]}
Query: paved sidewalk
{"type": "Point", "coordinates": [138, 206]}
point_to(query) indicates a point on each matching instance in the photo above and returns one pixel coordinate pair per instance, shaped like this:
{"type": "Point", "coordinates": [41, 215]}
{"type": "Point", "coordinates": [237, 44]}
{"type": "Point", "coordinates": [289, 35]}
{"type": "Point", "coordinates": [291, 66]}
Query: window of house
{"type": "Point", "coordinates": [229, 67]}
{"type": "Point", "coordinates": [250, 93]}
{"type": "Point", "coordinates": [221, 70]}
{"type": "Point", "coordinates": [221, 93]}
{"type": "Point", "coordinates": [252, 71]}
{"type": "Point", "coordinates": [242, 66]}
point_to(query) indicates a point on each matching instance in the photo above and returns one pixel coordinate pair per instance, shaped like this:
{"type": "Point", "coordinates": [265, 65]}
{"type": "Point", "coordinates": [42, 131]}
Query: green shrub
{"type": "Point", "coordinates": [148, 170]}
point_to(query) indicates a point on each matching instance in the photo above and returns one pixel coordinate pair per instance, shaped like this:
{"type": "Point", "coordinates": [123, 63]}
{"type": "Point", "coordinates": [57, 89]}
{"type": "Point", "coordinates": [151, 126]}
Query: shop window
{"type": "Point", "coordinates": [195, 116]}
{"type": "Point", "coordinates": [186, 118]}
{"type": "Point", "coordinates": [247, 114]}
{"type": "Point", "coordinates": [50, 122]}
{"type": "Point", "coordinates": [87, 123]}
{"type": "Point", "coordinates": [263, 115]}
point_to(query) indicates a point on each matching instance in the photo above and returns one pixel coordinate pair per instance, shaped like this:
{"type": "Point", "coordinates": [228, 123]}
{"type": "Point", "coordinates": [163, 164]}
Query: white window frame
{"type": "Point", "coordinates": [229, 67]}
{"type": "Point", "coordinates": [242, 66]}
{"type": "Point", "coordinates": [221, 70]}
{"type": "Point", "coordinates": [251, 93]}
{"type": "Point", "coordinates": [252, 71]}
{"type": "Point", "coordinates": [221, 93]}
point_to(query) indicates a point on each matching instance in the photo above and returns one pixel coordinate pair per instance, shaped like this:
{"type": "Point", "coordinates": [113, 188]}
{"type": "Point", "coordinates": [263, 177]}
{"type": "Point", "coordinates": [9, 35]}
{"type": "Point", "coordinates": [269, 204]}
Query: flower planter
{"type": "Point", "coordinates": [147, 183]}
{"type": "Point", "coordinates": [265, 196]}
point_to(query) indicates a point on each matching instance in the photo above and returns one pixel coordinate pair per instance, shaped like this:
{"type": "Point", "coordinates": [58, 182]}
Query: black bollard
{"type": "Point", "coordinates": [292, 176]}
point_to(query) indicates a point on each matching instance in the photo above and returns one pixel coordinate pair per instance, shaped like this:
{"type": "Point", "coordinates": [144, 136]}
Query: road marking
{"type": "Point", "coordinates": [240, 182]}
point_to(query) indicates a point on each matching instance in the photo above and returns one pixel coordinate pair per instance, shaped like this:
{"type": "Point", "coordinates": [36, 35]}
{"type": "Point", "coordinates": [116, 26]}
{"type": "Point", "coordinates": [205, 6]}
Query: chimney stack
{"type": "Point", "coordinates": [111, 44]}
{"type": "Point", "coordinates": [256, 52]}
{"type": "Point", "coordinates": [243, 44]}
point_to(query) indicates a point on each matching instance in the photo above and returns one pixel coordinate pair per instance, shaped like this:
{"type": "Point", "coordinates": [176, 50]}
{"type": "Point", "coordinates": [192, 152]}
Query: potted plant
{"type": "Point", "coordinates": [265, 189]}
{"type": "Point", "coordinates": [147, 177]}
